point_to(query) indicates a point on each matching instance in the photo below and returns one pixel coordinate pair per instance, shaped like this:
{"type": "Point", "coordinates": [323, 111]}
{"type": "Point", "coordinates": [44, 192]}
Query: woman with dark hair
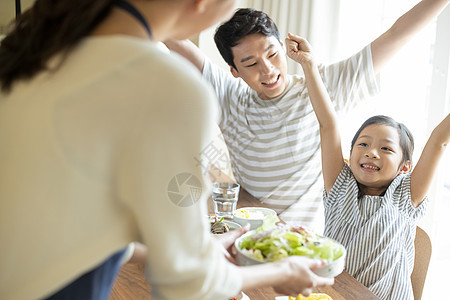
{"type": "Point", "coordinates": [99, 131]}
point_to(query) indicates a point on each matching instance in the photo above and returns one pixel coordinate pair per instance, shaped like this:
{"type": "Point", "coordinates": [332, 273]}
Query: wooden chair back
{"type": "Point", "coordinates": [422, 245]}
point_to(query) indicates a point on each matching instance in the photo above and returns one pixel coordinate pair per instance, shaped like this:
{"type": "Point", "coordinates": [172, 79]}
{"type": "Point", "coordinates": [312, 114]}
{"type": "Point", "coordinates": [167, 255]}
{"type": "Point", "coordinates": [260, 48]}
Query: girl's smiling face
{"type": "Point", "coordinates": [377, 158]}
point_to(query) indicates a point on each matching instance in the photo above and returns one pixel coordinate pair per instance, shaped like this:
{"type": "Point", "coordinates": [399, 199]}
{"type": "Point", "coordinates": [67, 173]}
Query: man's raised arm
{"type": "Point", "coordinates": [188, 50]}
{"type": "Point", "coordinates": [403, 30]}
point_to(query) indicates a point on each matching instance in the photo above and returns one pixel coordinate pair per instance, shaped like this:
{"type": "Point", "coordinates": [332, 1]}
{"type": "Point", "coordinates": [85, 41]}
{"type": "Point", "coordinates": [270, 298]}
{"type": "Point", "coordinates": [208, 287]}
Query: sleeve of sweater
{"type": "Point", "coordinates": [161, 179]}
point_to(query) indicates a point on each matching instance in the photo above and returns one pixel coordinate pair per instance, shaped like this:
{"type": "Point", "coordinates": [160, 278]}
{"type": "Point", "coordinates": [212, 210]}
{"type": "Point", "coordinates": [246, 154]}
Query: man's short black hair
{"type": "Point", "coordinates": [245, 21]}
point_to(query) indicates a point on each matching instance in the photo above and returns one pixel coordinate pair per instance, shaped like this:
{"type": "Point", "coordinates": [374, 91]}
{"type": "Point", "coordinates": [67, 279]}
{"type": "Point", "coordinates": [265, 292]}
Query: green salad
{"type": "Point", "coordinates": [274, 241]}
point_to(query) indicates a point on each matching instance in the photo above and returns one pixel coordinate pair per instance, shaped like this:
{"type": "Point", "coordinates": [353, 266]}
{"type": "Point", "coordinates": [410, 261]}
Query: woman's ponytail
{"type": "Point", "coordinates": [47, 28]}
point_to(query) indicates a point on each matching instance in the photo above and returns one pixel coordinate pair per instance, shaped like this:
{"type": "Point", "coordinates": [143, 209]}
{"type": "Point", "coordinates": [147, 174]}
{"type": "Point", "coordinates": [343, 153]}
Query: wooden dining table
{"type": "Point", "coordinates": [131, 284]}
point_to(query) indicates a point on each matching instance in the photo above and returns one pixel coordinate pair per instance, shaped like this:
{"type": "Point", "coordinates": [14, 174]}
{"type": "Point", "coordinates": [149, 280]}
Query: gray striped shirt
{"type": "Point", "coordinates": [377, 231]}
{"type": "Point", "coordinates": [274, 144]}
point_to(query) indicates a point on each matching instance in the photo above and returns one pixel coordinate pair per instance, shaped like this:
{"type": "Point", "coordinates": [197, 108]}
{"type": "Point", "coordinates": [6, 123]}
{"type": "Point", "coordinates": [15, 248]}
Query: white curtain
{"type": "Point", "coordinates": [315, 20]}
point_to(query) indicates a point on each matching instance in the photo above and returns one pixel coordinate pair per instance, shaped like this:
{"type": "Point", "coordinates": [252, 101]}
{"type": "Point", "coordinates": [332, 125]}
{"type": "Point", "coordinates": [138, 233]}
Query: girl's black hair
{"type": "Point", "coordinates": [406, 137]}
{"type": "Point", "coordinates": [245, 21]}
{"type": "Point", "coordinates": [47, 28]}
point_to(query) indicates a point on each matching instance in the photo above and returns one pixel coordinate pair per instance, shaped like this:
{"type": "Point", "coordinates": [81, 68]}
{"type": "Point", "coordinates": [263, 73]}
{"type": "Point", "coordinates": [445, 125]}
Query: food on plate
{"type": "Point", "coordinates": [218, 226]}
{"type": "Point", "coordinates": [274, 241]}
{"type": "Point", "coordinates": [252, 215]}
{"type": "Point", "coordinates": [313, 296]}
{"type": "Point", "coordinates": [249, 214]}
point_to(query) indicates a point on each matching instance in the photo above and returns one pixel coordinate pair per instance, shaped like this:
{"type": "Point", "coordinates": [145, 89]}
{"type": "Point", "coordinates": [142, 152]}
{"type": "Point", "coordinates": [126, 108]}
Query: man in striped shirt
{"type": "Point", "coordinates": [266, 118]}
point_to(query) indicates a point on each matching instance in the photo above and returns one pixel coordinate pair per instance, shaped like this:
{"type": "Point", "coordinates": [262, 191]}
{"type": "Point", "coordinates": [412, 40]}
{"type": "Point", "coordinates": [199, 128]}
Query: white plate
{"type": "Point", "coordinates": [243, 296]}
{"type": "Point", "coordinates": [233, 225]}
{"type": "Point", "coordinates": [287, 298]}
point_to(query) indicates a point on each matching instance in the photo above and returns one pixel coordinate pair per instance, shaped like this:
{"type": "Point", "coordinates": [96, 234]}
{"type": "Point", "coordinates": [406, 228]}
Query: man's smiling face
{"type": "Point", "coordinates": [261, 62]}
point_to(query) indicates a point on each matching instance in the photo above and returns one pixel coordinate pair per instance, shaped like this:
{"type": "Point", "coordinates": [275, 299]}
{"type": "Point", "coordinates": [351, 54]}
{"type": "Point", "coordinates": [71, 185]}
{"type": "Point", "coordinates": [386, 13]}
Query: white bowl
{"type": "Point", "coordinates": [330, 270]}
{"type": "Point", "coordinates": [255, 217]}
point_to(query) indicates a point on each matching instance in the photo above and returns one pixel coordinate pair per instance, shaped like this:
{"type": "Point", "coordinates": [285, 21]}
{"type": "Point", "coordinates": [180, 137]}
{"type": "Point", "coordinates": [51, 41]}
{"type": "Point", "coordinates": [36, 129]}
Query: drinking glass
{"type": "Point", "coordinates": [225, 197]}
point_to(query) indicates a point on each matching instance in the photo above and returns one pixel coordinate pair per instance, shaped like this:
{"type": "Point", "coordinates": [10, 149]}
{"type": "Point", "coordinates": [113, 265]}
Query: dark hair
{"type": "Point", "coordinates": [244, 22]}
{"type": "Point", "coordinates": [405, 136]}
{"type": "Point", "coordinates": [47, 28]}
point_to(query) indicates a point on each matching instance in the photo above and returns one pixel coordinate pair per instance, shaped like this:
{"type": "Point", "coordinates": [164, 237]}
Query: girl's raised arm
{"type": "Point", "coordinates": [299, 50]}
{"type": "Point", "coordinates": [422, 174]}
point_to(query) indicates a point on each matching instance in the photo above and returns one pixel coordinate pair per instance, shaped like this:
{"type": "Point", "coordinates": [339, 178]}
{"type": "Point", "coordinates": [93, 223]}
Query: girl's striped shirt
{"type": "Point", "coordinates": [378, 233]}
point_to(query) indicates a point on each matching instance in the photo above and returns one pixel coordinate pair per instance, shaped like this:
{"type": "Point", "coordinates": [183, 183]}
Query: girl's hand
{"type": "Point", "coordinates": [298, 49]}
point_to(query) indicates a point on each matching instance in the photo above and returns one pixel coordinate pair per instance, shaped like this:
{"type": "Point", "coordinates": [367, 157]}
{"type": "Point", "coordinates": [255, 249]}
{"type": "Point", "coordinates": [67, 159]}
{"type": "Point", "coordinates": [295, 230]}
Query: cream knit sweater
{"type": "Point", "coordinates": [91, 156]}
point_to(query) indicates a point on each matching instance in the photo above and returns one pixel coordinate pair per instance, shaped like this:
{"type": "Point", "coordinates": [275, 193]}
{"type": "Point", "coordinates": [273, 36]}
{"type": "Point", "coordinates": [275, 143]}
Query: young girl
{"type": "Point", "coordinates": [372, 204]}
